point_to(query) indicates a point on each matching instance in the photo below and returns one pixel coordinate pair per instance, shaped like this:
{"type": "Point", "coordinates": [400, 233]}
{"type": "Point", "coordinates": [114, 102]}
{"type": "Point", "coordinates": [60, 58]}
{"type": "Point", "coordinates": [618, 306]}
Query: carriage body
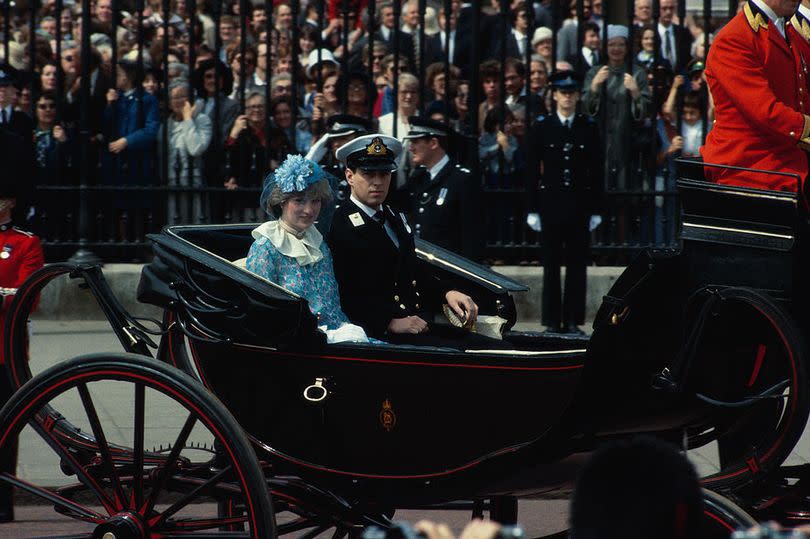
{"type": "Point", "coordinates": [364, 428]}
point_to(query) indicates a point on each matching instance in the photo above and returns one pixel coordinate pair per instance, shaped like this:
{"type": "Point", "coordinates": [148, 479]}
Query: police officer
{"type": "Point", "coordinates": [341, 128]}
{"type": "Point", "coordinates": [443, 197]}
{"type": "Point", "coordinates": [20, 256]}
{"type": "Point", "coordinates": [567, 160]}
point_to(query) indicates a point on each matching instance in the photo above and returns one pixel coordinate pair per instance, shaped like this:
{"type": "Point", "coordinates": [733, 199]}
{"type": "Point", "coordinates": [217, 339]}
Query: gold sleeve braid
{"type": "Point", "coordinates": [804, 139]}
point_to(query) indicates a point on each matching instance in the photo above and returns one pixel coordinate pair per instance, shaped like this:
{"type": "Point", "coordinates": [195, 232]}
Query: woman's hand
{"type": "Point", "coordinates": [463, 305]}
{"type": "Point", "coordinates": [231, 184]}
{"type": "Point", "coordinates": [503, 140]}
{"type": "Point", "coordinates": [112, 96]}
{"type": "Point", "coordinates": [631, 85]}
{"type": "Point", "coordinates": [600, 77]}
{"type": "Point", "coordinates": [239, 125]}
{"type": "Point", "coordinates": [676, 145]}
{"type": "Point", "coordinates": [59, 133]}
{"type": "Point", "coordinates": [409, 324]}
{"type": "Point", "coordinates": [118, 146]}
{"type": "Point", "coordinates": [188, 112]}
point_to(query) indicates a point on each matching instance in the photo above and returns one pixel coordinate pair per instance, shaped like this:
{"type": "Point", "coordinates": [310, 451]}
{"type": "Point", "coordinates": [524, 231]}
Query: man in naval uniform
{"type": "Point", "coordinates": [757, 80]}
{"type": "Point", "coordinates": [444, 196]}
{"type": "Point", "coordinates": [20, 256]}
{"type": "Point", "coordinates": [382, 285]}
{"type": "Point", "coordinates": [567, 168]}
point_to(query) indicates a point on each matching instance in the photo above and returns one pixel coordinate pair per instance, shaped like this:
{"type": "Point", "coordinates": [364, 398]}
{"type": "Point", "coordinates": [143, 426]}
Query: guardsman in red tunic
{"type": "Point", "coordinates": [757, 79]}
{"type": "Point", "coordinates": [20, 256]}
{"type": "Point", "coordinates": [799, 35]}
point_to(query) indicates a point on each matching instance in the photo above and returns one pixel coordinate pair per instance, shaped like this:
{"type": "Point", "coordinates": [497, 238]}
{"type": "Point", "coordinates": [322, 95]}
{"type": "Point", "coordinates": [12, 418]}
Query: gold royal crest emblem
{"type": "Point", "coordinates": [387, 416]}
{"type": "Point", "coordinates": [377, 147]}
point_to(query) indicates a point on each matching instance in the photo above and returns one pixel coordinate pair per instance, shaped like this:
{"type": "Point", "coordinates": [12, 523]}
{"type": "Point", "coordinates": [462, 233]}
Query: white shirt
{"type": "Point", "coordinates": [564, 119]}
{"type": "Point", "coordinates": [662, 33]}
{"type": "Point", "coordinates": [435, 169]}
{"type": "Point", "coordinates": [385, 32]}
{"type": "Point", "coordinates": [452, 46]}
{"type": "Point", "coordinates": [370, 212]}
{"type": "Point", "coordinates": [804, 11]}
{"type": "Point", "coordinates": [779, 22]}
{"type": "Point", "coordinates": [587, 54]}
{"type": "Point", "coordinates": [521, 40]}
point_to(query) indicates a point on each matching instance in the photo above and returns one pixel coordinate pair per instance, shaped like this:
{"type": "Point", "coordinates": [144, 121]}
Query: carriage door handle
{"type": "Point", "coordinates": [316, 392]}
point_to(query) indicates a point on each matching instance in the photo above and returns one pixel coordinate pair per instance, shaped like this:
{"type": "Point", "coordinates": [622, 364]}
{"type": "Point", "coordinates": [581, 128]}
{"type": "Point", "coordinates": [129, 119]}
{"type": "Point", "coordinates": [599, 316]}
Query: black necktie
{"type": "Point", "coordinates": [668, 48]}
{"type": "Point", "coordinates": [568, 124]}
{"type": "Point", "coordinates": [4, 115]}
{"type": "Point", "coordinates": [379, 217]}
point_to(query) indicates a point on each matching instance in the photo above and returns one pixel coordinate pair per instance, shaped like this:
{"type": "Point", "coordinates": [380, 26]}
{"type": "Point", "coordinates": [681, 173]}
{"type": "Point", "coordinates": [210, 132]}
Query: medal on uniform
{"type": "Point", "coordinates": [356, 219]}
{"type": "Point", "coordinates": [6, 251]}
{"type": "Point", "coordinates": [442, 196]}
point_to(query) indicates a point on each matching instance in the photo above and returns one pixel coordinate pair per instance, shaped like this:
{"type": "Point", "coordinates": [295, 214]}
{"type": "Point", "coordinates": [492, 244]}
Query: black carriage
{"type": "Point", "coordinates": [693, 346]}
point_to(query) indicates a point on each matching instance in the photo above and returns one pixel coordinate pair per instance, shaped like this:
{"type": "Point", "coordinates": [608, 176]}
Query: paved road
{"type": "Point", "coordinates": [57, 341]}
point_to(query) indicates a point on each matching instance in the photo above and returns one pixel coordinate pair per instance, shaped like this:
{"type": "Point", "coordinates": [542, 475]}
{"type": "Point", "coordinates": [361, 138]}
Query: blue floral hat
{"type": "Point", "coordinates": [294, 175]}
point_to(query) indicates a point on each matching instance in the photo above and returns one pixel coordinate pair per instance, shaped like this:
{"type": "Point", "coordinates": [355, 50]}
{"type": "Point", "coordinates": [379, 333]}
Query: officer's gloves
{"type": "Point", "coordinates": [533, 220]}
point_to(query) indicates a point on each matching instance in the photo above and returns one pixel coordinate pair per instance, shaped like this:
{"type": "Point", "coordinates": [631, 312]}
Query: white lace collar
{"type": "Point", "coordinates": [305, 249]}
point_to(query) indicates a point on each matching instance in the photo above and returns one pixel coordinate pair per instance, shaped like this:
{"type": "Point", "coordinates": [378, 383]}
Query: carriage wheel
{"type": "Point", "coordinates": [721, 516]}
{"type": "Point", "coordinates": [750, 367]}
{"type": "Point", "coordinates": [160, 475]}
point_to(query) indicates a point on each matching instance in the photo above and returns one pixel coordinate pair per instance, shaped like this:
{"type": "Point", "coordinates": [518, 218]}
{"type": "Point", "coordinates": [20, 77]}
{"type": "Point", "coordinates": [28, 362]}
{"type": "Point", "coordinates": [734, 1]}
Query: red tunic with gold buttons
{"type": "Point", "coordinates": [20, 256]}
{"type": "Point", "coordinates": [756, 79]}
{"type": "Point", "coordinates": [798, 30]}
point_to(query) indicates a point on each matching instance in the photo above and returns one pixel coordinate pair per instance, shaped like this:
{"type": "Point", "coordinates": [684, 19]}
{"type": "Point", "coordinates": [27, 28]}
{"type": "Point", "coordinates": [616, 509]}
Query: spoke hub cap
{"type": "Point", "coordinates": [121, 526]}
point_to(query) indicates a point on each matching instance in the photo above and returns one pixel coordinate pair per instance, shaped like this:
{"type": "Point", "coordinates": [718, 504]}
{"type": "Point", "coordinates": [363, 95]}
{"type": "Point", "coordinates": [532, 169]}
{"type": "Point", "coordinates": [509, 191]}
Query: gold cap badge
{"type": "Point", "coordinates": [377, 147]}
{"type": "Point", "coordinates": [387, 416]}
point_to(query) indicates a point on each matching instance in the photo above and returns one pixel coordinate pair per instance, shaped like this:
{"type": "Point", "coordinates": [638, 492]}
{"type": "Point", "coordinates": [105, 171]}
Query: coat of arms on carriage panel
{"type": "Point", "coordinates": [388, 418]}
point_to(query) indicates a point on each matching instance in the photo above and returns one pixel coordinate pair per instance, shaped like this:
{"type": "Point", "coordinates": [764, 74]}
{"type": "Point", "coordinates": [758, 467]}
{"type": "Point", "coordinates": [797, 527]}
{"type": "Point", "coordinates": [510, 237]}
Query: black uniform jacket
{"type": "Point", "coordinates": [378, 281]}
{"type": "Point", "coordinates": [446, 210]}
{"type": "Point", "coordinates": [572, 165]}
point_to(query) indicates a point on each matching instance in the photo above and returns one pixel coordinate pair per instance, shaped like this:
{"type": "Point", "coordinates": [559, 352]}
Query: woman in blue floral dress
{"type": "Point", "coordinates": [290, 252]}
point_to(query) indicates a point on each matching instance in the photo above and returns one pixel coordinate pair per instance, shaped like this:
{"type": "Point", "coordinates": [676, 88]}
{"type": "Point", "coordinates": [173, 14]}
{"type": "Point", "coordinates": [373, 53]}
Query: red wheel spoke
{"type": "Point", "coordinates": [101, 443]}
{"type": "Point", "coordinates": [171, 463]}
{"type": "Point", "coordinates": [137, 461]}
{"type": "Point", "coordinates": [209, 535]}
{"type": "Point", "coordinates": [81, 512]}
{"type": "Point", "coordinates": [77, 468]}
{"type": "Point", "coordinates": [184, 501]}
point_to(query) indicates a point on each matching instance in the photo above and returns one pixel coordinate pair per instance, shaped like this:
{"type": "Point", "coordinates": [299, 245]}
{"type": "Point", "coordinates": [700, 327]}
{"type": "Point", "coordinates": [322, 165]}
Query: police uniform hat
{"type": "Point", "coordinates": [565, 80]}
{"type": "Point", "coordinates": [347, 124]}
{"type": "Point", "coordinates": [8, 75]}
{"type": "Point", "coordinates": [370, 152]}
{"type": "Point", "coordinates": [426, 127]}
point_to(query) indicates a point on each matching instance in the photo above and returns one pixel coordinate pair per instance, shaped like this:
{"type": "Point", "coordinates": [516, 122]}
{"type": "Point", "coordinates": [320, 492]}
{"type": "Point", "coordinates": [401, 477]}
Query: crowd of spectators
{"type": "Point", "coordinates": [212, 97]}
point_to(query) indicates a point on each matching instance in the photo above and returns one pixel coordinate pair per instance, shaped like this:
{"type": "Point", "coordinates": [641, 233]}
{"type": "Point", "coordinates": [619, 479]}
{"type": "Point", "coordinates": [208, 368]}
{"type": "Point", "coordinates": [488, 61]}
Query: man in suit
{"type": "Point", "coordinates": [382, 285]}
{"type": "Point", "coordinates": [444, 196]}
{"type": "Point", "coordinates": [568, 162]}
{"type": "Point", "coordinates": [675, 40]}
{"type": "Point", "coordinates": [759, 86]}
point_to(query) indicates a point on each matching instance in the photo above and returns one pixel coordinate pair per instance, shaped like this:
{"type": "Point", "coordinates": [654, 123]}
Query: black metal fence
{"type": "Point", "coordinates": [267, 75]}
